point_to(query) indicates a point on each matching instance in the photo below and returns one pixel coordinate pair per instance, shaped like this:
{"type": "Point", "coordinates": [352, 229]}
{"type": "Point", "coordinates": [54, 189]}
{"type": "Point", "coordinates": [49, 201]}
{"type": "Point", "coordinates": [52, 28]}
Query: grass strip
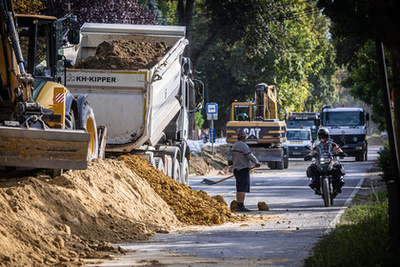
{"type": "Point", "coordinates": [361, 239]}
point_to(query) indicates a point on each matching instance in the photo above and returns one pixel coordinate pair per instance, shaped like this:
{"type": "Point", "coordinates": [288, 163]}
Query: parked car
{"type": "Point", "coordinates": [299, 142]}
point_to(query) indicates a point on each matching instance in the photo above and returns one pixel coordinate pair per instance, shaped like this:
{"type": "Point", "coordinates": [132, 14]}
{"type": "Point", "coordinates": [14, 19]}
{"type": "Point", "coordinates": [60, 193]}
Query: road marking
{"type": "Point", "coordinates": [345, 205]}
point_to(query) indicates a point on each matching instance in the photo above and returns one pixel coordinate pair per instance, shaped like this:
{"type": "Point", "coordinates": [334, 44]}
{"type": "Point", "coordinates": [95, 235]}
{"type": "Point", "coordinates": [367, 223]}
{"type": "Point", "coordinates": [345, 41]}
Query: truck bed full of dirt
{"type": "Point", "coordinates": [124, 55]}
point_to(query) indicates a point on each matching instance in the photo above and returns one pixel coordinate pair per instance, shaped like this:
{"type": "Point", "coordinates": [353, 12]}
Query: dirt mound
{"type": "Point", "coordinates": [49, 221]}
{"type": "Point", "coordinates": [376, 141]}
{"type": "Point", "coordinates": [190, 206]}
{"type": "Point", "coordinates": [77, 215]}
{"type": "Point", "coordinates": [124, 55]}
{"type": "Point", "coordinates": [206, 162]}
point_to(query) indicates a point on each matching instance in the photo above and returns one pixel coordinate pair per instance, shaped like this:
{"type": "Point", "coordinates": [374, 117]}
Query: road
{"type": "Point", "coordinates": [282, 236]}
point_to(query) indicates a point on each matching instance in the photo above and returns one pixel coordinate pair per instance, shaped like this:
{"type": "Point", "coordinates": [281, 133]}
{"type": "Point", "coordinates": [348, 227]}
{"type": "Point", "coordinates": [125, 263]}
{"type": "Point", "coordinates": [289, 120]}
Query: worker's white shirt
{"type": "Point", "coordinates": [242, 157]}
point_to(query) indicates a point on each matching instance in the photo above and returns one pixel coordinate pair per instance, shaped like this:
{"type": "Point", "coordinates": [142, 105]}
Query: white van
{"type": "Point", "coordinates": [299, 142]}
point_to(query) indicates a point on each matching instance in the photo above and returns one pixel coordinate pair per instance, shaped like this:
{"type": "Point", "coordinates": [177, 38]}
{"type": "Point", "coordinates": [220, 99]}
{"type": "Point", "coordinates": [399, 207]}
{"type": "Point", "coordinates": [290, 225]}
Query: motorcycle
{"type": "Point", "coordinates": [326, 162]}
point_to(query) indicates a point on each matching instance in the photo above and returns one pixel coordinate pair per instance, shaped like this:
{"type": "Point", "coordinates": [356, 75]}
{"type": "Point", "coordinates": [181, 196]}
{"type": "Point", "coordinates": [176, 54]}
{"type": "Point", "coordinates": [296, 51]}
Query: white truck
{"type": "Point", "coordinates": [303, 120]}
{"type": "Point", "coordinates": [145, 111]}
{"type": "Point", "coordinates": [299, 142]}
{"type": "Point", "coordinates": [347, 127]}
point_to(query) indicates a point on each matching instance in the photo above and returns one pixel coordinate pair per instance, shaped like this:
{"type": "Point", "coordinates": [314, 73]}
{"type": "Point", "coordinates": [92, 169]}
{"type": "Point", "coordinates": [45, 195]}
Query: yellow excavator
{"type": "Point", "coordinates": [265, 132]}
{"type": "Point", "coordinates": [42, 125]}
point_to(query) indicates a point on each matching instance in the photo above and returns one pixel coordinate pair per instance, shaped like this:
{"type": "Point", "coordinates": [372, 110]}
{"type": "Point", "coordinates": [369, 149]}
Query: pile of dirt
{"type": "Point", "coordinates": [211, 162]}
{"type": "Point", "coordinates": [191, 207]}
{"type": "Point", "coordinates": [376, 141]}
{"type": "Point", "coordinates": [124, 55]}
{"type": "Point", "coordinates": [78, 215]}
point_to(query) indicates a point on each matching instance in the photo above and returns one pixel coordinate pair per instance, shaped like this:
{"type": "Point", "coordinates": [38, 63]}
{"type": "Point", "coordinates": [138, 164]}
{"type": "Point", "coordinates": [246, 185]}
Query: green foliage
{"type": "Point", "coordinates": [352, 36]}
{"type": "Point", "coordinates": [364, 80]}
{"type": "Point", "coordinates": [363, 242]}
{"type": "Point", "coordinates": [166, 10]}
{"type": "Point", "coordinates": [31, 7]}
{"type": "Point", "coordinates": [199, 120]}
{"type": "Point", "coordinates": [102, 11]}
{"type": "Point", "coordinates": [385, 163]}
{"type": "Point", "coordinates": [277, 42]}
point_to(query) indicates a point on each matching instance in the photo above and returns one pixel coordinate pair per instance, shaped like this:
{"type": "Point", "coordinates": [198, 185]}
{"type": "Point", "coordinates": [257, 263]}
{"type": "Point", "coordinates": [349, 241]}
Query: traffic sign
{"type": "Point", "coordinates": [212, 108]}
{"type": "Point", "coordinates": [212, 111]}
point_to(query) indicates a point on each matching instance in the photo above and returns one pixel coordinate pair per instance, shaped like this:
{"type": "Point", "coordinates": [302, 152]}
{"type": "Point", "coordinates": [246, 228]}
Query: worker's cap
{"type": "Point", "coordinates": [241, 134]}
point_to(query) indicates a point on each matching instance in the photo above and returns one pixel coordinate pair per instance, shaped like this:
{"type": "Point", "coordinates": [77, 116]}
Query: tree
{"type": "Point", "coordinates": [102, 11]}
{"type": "Point", "coordinates": [27, 7]}
{"type": "Point", "coordinates": [361, 22]}
{"type": "Point", "coordinates": [282, 47]}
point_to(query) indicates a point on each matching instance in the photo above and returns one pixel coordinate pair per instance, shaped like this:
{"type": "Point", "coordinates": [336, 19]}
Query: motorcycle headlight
{"type": "Point", "coordinates": [325, 160]}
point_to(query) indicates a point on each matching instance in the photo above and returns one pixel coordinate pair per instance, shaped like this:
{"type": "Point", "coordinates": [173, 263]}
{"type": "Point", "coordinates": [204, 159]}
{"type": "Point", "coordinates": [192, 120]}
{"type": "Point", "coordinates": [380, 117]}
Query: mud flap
{"type": "Point", "coordinates": [50, 148]}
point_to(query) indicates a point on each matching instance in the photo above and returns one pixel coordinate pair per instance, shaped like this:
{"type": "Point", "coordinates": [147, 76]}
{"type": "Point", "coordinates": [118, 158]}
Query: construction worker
{"type": "Point", "coordinates": [242, 159]}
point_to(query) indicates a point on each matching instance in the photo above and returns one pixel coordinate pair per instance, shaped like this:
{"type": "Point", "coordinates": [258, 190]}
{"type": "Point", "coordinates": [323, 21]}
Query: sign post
{"type": "Point", "coordinates": [212, 114]}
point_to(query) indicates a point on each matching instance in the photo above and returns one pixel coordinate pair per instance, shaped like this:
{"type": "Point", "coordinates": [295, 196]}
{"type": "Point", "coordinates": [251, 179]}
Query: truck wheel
{"type": "Point", "coordinates": [185, 175]}
{"type": "Point", "coordinates": [159, 164]}
{"type": "Point", "coordinates": [70, 120]}
{"type": "Point", "coordinates": [286, 162]}
{"type": "Point", "coordinates": [279, 165]}
{"type": "Point", "coordinates": [102, 136]}
{"type": "Point", "coordinates": [89, 124]}
{"type": "Point", "coordinates": [176, 174]}
{"type": "Point", "coordinates": [361, 157]}
{"type": "Point", "coordinates": [271, 165]}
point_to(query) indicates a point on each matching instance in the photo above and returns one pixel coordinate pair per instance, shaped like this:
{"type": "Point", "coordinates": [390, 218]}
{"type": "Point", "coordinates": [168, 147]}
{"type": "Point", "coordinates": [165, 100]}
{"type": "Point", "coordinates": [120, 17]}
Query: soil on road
{"type": "Point", "coordinates": [76, 216]}
{"type": "Point", "coordinates": [79, 214]}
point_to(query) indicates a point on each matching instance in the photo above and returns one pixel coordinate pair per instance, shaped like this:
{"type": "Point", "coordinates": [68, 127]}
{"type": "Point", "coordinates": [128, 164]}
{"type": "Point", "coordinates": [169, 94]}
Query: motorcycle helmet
{"type": "Point", "coordinates": [323, 133]}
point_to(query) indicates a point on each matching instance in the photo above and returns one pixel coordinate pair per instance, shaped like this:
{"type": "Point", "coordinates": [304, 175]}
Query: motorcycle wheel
{"type": "Point", "coordinates": [326, 192]}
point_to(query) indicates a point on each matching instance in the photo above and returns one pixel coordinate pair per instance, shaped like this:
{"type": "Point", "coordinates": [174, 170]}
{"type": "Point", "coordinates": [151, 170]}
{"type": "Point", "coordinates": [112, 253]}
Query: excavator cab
{"type": "Point", "coordinates": [42, 39]}
{"type": "Point", "coordinates": [42, 125]}
{"type": "Point", "coordinates": [259, 120]}
{"type": "Point", "coordinates": [241, 111]}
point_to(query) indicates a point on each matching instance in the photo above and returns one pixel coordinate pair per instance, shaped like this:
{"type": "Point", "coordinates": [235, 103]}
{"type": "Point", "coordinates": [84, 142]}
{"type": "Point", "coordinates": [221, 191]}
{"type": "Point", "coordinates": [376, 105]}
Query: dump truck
{"type": "Point", "coordinates": [304, 120]}
{"type": "Point", "coordinates": [144, 110]}
{"type": "Point", "coordinates": [265, 132]}
{"type": "Point", "coordinates": [347, 127]}
{"type": "Point", "coordinates": [42, 125]}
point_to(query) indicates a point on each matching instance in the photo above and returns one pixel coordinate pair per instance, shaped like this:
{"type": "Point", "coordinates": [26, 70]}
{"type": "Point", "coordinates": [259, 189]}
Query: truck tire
{"type": "Point", "coordinates": [271, 165]}
{"type": "Point", "coordinates": [279, 165]}
{"type": "Point", "coordinates": [286, 162]}
{"type": "Point", "coordinates": [102, 136]}
{"type": "Point", "coordinates": [159, 164]}
{"type": "Point", "coordinates": [361, 156]}
{"type": "Point", "coordinates": [176, 170]}
{"type": "Point", "coordinates": [70, 123]}
{"type": "Point", "coordinates": [89, 124]}
{"type": "Point", "coordinates": [185, 175]}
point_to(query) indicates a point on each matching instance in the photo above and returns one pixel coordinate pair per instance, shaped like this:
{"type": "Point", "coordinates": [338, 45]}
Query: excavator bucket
{"type": "Point", "coordinates": [38, 148]}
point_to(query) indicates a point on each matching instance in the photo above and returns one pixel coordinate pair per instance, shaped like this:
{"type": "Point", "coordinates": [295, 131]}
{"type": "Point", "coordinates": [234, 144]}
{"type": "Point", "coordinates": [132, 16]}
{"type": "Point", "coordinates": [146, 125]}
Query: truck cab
{"type": "Point", "coordinates": [304, 120]}
{"type": "Point", "coordinates": [299, 142]}
{"type": "Point", "coordinates": [347, 127]}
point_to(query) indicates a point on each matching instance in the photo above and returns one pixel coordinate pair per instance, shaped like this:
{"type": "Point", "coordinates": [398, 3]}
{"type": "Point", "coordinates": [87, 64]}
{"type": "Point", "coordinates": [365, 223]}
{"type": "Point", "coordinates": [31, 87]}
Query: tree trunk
{"type": "Point", "coordinates": [393, 184]}
{"type": "Point", "coordinates": [395, 221]}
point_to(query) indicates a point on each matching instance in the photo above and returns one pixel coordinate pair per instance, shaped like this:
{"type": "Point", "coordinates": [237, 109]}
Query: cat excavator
{"type": "Point", "coordinates": [42, 125]}
{"type": "Point", "coordinates": [265, 132]}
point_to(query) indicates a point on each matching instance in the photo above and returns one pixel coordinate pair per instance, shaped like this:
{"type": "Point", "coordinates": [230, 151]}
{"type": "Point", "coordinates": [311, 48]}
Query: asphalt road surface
{"type": "Point", "coordinates": [282, 236]}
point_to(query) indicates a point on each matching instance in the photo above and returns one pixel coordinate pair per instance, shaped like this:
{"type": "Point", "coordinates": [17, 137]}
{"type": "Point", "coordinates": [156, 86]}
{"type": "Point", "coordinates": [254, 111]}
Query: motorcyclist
{"type": "Point", "coordinates": [338, 169]}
